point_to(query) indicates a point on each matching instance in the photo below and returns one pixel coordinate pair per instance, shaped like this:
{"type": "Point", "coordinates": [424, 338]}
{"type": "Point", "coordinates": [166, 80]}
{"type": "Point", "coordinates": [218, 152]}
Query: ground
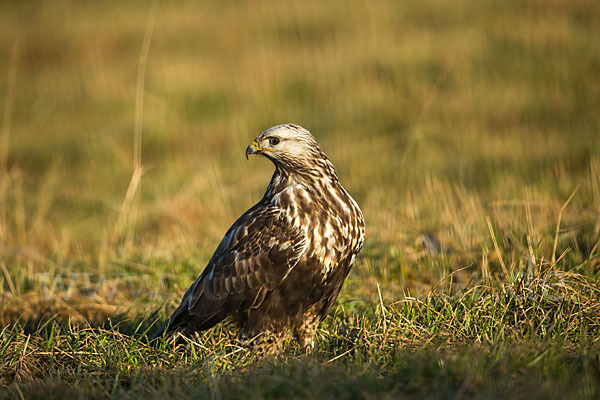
{"type": "Point", "coordinates": [468, 132]}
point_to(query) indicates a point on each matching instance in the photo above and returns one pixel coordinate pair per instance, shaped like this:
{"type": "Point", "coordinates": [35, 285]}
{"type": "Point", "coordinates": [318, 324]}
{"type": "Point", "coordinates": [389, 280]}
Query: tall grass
{"type": "Point", "coordinates": [467, 131]}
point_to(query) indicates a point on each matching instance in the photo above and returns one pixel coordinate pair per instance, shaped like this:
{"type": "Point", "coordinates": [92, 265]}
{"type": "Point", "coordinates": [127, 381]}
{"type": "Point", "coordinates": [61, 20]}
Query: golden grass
{"type": "Point", "coordinates": [469, 123]}
{"type": "Point", "coordinates": [434, 124]}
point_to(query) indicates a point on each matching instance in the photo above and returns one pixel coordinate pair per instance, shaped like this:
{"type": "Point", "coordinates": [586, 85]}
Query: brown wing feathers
{"type": "Point", "coordinates": [240, 276]}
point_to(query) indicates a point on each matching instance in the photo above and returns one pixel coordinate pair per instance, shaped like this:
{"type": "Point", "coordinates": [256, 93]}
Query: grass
{"type": "Point", "coordinates": [467, 131]}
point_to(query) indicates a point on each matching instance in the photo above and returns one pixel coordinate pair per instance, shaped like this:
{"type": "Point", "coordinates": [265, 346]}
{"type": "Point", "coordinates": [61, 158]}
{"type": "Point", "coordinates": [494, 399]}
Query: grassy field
{"type": "Point", "coordinates": [468, 132]}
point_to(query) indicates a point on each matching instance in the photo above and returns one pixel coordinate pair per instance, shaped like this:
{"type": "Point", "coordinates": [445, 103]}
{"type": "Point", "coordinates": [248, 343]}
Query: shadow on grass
{"type": "Point", "coordinates": [472, 371]}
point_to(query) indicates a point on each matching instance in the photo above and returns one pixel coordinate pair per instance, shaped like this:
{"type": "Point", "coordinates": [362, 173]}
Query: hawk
{"type": "Point", "coordinates": [281, 265]}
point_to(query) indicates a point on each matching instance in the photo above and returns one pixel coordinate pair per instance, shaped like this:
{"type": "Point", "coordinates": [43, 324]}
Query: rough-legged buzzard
{"type": "Point", "coordinates": [281, 265]}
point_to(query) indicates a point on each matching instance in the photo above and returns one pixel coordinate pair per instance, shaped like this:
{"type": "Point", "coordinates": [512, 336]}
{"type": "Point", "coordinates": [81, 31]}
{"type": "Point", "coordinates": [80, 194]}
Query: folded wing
{"type": "Point", "coordinates": [256, 254]}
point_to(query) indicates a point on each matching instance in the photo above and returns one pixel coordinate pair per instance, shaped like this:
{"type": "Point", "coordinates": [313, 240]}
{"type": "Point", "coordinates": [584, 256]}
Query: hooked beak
{"type": "Point", "coordinates": [252, 149]}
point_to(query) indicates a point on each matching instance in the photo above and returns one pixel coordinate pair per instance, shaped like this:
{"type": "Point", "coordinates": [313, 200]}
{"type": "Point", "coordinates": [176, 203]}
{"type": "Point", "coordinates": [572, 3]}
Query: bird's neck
{"type": "Point", "coordinates": [315, 178]}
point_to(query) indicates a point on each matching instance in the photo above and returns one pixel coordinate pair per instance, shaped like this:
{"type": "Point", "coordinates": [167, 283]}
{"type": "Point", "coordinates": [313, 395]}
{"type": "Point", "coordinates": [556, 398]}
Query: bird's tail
{"type": "Point", "coordinates": [160, 332]}
{"type": "Point", "coordinates": [170, 325]}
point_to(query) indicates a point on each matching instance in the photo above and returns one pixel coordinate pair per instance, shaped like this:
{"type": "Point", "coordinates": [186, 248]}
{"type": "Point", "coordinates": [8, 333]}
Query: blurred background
{"type": "Point", "coordinates": [124, 126]}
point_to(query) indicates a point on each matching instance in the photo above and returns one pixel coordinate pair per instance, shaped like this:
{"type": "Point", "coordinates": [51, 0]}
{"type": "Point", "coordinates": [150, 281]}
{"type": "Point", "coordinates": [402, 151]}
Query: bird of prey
{"type": "Point", "coordinates": [281, 265]}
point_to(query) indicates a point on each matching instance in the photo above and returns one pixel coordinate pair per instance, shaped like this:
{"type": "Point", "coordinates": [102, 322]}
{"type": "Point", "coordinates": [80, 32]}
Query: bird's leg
{"type": "Point", "coordinates": [270, 343]}
{"type": "Point", "coordinates": [308, 345]}
{"type": "Point", "coordinates": [306, 332]}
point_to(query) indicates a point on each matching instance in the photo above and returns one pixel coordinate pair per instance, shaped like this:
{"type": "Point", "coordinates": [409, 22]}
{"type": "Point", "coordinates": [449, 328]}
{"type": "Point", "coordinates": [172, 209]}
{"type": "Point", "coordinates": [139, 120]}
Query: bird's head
{"type": "Point", "coordinates": [287, 145]}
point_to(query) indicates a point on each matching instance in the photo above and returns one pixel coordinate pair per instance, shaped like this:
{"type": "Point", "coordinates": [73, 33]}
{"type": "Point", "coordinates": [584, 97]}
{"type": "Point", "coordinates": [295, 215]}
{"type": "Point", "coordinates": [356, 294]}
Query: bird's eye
{"type": "Point", "coordinates": [273, 141]}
